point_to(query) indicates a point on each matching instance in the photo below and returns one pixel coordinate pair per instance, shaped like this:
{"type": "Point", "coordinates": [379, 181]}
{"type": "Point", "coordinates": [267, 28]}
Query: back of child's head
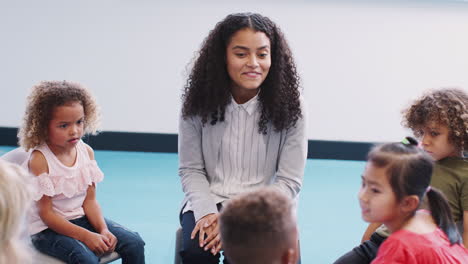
{"type": "Point", "coordinates": [256, 227]}
{"type": "Point", "coordinates": [447, 107]}
{"type": "Point", "coordinates": [15, 199]}
{"type": "Point", "coordinates": [43, 99]}
{"type": "Point", "coordinates": [409, 171]}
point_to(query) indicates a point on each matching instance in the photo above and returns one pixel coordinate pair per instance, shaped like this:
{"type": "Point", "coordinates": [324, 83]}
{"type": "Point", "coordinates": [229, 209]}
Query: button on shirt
{"type": "Point", "coordinates": [242, 150]}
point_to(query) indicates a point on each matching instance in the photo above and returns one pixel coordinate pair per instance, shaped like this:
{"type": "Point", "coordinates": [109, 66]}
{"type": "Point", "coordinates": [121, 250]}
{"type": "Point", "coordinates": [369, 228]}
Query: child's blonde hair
{"type": "Point", "coordinates": [44, 97]}
{"type": "Point", "coordinates": [15, 199]}
{"type": "Point", "coordinates": [443, 106]}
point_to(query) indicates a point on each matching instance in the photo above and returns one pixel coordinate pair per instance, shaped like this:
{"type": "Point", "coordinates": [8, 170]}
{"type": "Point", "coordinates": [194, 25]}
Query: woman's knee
{"type": "Point", "coordinates": [195, 254]}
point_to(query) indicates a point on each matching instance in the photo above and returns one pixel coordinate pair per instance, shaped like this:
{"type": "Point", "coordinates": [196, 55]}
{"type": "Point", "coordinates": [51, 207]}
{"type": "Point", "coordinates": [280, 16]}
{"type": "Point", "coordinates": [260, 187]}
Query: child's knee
{"type": "Point", "coordinates": [130, 241]}
{"type": "Point", "coordinates": [82, 257]}
{"type": "Point", "coordinates": [136, 241]}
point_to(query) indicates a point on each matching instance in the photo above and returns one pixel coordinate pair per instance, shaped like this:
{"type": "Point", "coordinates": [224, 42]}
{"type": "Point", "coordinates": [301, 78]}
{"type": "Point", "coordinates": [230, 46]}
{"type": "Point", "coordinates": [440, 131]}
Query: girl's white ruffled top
{"type": "Point", "coordinates": [66, 185]}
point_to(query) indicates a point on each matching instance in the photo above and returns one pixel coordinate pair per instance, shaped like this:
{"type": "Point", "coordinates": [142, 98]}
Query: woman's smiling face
{"type": "Point", "coordinates": [248, 61]}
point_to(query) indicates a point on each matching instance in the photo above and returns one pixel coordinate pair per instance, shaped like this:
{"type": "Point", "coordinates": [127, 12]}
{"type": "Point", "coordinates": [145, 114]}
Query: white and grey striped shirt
{"type": "Point", "coordinates": [217, 162]}
{"type": "Point", "coordinates": [242, 153]}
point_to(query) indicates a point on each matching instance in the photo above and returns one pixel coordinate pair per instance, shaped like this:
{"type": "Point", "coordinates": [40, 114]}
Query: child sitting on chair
{"type": "Point", "coordinates": [67, 222]}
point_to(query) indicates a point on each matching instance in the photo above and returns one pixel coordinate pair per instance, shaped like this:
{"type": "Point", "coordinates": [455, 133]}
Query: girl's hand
{"type": "Point", "coordinates": [112, 240]}
{"type": "Point", "coordinates": [97, 243]}
{"type": "Point", "coordinates": [206, 226]}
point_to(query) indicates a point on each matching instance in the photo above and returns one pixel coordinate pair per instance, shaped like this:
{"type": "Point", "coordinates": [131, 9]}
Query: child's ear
{"type": "Point", "coordinates": [410, 203]}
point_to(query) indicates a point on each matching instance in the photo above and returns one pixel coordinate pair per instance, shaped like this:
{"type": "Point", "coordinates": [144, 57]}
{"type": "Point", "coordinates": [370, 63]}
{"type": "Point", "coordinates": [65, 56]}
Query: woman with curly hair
{"type": "Point", "coordinates": [440, 120]}
{"type": "Point", "coordinates": [242, 126]}
{"type": "Point", "coordinates": [66, 221]}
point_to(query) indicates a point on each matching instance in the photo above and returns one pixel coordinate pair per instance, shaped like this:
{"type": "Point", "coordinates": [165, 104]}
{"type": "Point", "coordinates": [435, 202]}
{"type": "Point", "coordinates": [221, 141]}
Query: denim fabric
{"type": "Point", "coordinates": [191, 252]}
{"type": "Point", "coordinates": [130, 246]}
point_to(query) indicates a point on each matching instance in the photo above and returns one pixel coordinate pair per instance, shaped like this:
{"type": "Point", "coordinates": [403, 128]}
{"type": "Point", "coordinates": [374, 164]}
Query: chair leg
{"type": "Point", "coordinates": [299, 252]}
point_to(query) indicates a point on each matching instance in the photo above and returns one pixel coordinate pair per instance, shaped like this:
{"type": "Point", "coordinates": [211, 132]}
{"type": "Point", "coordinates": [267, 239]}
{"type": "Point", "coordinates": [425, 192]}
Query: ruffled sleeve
{"type": "Point", "coordinates": [70, 184]}
{"type": "Point", "coordinates": [42, 186]}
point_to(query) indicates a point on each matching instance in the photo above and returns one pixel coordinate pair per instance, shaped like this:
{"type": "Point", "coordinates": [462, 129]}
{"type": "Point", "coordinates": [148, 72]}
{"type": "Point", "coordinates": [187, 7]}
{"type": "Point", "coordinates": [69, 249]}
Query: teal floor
{"type": "Point", "coordinates": [143, 192]}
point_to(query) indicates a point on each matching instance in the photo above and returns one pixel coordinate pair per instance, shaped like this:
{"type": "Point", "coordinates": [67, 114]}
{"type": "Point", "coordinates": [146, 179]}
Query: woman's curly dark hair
{"type": "Point", "coordinates": [44, 97]}
{"type": "Point", "coordinates": [444, 106]}
{"type": "Point", "coordinates": [207, 91]}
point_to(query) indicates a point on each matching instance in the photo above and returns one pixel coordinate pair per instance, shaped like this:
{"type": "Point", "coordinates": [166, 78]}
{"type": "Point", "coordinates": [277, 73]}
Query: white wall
{"type": "Point", "coordinates": [360, 63]}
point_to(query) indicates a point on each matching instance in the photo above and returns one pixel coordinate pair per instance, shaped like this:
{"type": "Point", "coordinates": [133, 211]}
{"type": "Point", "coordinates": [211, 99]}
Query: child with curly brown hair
{"type": "Point", "coordinates": [242, 126]}
{"type": "Point", "coordinates": [66, 221]}
{"type": "Point", "coordinates": [440, 119]}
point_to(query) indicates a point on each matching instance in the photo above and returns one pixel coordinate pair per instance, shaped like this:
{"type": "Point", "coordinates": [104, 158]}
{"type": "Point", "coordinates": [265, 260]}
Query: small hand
{"type": "Point", "coordinates": [97, 243]}
{"type": "Point", "coordinates": [111, 240]}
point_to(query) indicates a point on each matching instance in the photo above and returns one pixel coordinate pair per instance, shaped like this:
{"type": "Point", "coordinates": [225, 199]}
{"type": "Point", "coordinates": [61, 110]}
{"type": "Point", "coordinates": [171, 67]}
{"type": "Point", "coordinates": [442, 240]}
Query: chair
{"type": "Point", "coordinates": [45, 259]}
{"type": "Point", "coordinates": [19, 156]}
{"type": "Point", "coordinates": [16, 156]}
{"type": "Point", "coordinates": [299, 251]}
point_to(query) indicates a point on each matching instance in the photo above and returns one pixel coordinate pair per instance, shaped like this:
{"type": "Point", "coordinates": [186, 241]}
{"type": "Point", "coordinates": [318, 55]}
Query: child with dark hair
{"type": "Point", "coordinates": [394, 183]}
{"type": "Point", "coordinates": [440, 119]}
{"type": "Point", "coordinates": [242, 126]}
{"type": "Point", "coordinates": [260, 227]}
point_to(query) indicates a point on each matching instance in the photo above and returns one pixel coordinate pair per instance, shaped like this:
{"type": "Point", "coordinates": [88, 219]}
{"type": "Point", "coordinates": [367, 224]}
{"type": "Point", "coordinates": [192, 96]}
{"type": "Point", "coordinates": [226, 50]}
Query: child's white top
{"type": "Point", "coordinates": [66, 185]}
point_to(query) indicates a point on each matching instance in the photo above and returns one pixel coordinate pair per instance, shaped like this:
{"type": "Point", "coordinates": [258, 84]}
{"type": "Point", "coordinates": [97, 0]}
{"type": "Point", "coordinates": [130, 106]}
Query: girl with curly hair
{"type": "Point", "coordinates": [66, 221]}
{"type": "Point", "coordinates": [440, 119]}
{"type": "Point", "coordinates": [242, 126]}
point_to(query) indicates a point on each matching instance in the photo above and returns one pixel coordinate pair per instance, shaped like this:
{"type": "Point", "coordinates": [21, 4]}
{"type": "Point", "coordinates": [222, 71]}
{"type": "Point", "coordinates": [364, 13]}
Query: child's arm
{"type": "Point", "coordinates": [38, 166]}
{"type": "Point", "coordinates": [93, 212]}
{"type": "Point", "coordinates": [369, 231]}
{"type": "Point", "coordinates": [465, 229]}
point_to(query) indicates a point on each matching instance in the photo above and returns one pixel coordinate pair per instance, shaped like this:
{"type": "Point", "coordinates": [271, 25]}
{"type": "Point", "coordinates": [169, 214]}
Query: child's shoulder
{"type": "Point", "coordinates": [38, 163]}
{"type": "Point", "coordinates": [89, 150]}
{"type": "Point", "coordinates": [407, 238]}
{"type": "Point", "coordinates": [455, 166]}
